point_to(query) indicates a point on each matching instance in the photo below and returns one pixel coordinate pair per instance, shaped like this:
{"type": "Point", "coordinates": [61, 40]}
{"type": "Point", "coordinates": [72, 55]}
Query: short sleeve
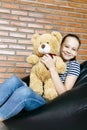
{"type": "Point", "coordinates": [74, 68]}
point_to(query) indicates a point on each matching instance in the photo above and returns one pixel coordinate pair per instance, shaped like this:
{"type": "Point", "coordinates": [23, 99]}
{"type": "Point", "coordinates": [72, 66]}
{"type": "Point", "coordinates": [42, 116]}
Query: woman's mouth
{"type": "Point", "coordinates": [67, 54]}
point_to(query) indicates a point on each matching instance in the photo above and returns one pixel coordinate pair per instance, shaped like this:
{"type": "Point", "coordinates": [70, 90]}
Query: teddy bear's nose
{"type": "Point", "coordinates": [43, 46]}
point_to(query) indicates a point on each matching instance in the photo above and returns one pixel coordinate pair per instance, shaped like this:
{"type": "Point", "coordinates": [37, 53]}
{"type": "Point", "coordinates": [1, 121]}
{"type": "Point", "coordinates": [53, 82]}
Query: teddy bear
{"type": "Point", "coordinates": [40, 78]}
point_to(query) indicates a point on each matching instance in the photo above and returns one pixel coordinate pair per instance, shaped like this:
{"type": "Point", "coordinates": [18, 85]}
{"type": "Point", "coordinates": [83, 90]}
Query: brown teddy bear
{"type": "Point", "coordinates": [40, 78]}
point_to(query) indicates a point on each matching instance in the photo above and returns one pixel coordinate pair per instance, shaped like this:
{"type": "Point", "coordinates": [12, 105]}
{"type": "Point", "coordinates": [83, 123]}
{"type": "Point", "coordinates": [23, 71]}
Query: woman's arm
{"type": "Point", "coordinates": [59, 86]}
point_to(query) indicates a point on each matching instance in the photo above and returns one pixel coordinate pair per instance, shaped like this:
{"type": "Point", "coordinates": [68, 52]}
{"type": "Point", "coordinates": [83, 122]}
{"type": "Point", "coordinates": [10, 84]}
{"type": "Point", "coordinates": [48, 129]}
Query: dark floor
{"type": "Point", "coordinates": [2, 126]}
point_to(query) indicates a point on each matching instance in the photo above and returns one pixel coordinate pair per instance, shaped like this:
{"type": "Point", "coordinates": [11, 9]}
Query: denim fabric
{"type": "Point", "coordinates": [15, 95]}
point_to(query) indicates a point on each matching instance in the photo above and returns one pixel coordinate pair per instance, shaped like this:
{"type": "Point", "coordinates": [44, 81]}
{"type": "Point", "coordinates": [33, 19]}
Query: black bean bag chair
{"type": "Point", "coordinates": [67, 112]}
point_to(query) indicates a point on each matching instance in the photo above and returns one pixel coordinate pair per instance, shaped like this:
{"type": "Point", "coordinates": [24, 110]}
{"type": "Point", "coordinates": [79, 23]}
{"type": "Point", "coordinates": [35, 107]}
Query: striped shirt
{"type": "Point", "coordinates": [73, 68]}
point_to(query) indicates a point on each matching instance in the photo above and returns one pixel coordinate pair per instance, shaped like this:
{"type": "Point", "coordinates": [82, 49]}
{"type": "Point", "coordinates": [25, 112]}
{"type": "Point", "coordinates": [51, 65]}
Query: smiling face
{"type": "Point", "coordinates": [69, 48]}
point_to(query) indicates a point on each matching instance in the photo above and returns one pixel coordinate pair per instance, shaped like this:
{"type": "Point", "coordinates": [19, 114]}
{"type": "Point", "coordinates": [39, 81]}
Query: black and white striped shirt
{"type": "Point", "coordinates": [73, 68]}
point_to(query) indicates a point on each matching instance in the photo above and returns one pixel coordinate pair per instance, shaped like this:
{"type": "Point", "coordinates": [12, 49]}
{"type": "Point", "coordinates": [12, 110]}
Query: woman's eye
{"type": "Point", "coordinates": [66, 46]}
{"type": "Point", "coordinates": [74, 49]}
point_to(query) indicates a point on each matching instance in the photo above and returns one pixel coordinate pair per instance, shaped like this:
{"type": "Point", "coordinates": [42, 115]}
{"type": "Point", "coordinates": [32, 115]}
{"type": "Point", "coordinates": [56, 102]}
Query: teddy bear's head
{"type": "Point", "coordinates": [46, 43]}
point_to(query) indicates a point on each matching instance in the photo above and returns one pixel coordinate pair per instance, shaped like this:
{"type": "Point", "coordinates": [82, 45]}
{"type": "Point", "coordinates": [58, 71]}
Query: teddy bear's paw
{"type": "Point", "coordinates": [62, 69]}
{"type": "Point", "coordinates": [50, 95]}
{"type": "Point", "coordinates": [38, 90]}
{"type": "Point", "coordinates": [32, 59]}
{"type": "Point", "coordinates": [60, 66]}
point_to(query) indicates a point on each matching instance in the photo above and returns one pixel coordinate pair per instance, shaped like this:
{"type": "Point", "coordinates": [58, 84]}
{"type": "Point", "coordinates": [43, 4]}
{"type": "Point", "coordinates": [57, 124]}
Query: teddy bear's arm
{"type": "Point", "coordinates": [32, 59]}
{"type": "Point", "coordinates": [60, 65]}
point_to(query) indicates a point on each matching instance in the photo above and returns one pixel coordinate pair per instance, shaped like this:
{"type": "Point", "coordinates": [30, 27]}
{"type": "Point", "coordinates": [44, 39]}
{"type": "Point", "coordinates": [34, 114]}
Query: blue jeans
{"type": "Point", "coordinates": [15, 95]}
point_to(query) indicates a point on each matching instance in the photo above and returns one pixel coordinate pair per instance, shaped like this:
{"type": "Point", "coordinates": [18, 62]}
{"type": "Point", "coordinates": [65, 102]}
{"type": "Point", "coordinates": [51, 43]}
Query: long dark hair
{"type": "Point", "coordinates": [71, 35]}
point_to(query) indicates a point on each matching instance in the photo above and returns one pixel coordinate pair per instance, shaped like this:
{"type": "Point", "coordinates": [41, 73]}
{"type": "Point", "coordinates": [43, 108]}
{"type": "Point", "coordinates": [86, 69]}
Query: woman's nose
{"type": "Point", "coordinates": [69, 50]}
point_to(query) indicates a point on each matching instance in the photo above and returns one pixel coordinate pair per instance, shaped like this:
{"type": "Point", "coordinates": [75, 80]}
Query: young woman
{"type": "Point", "coordinates": [15, 95]}
{"type": "Point", "coordinates": [68, 51]}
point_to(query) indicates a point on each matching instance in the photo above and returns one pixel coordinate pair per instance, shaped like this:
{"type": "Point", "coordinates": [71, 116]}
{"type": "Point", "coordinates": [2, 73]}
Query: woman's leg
{"type": "Point", "coordinates": [22, 98]}
{"type": "Point", "coordinates": [8, 87]}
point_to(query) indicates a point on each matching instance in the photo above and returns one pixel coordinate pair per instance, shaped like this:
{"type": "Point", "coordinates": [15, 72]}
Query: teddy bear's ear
{"type": "Point", "coordinates": [57, 35]}
{"type": "Point", "coordinates": [34, 37]}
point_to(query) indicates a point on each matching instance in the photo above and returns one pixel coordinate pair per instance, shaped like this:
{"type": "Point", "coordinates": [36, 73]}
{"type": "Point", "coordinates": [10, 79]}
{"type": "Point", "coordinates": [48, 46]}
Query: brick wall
{"type": "Point", "coordinates": [20, 19]}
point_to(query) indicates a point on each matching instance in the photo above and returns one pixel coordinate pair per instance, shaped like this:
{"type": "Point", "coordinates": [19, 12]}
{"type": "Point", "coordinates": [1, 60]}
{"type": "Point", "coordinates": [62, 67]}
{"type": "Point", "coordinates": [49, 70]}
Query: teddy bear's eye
{"type": "Point", "coordinates": [47, 42]}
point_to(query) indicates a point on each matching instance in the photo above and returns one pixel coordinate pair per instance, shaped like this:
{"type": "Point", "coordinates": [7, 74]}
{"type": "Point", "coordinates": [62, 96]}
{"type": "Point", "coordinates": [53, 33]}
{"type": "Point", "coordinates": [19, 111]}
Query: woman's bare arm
{"type": "Point", "coordinates": [59, 86]}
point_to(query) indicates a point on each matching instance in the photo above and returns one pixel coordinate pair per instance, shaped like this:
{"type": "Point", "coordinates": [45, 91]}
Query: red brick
{"type": "Point", "coordinates": [26, 19]}
{"type": "Point", "coordinates": [2, 57]}
{"type": "Point", "coordinates": [6, 64]}
{"type": "Point", "coordinates": [84, 57]}
{"type": "Point", "coordinates": [4, 10]}
{"type": "Point", "coordinates": [9, 16]}
{"type": "Point", "coordinates": [3, 33]}
{"type": "Point", "coordinates": [8, 28]}
{"type": "Point", "coordinates": [77, 5]}
{"type": "Point", "coordinates": [18, 23]}
{"type": "Point", "coordinates": [16, 70]}
{"type": "Point", "coordinates": [19, 12]}
{"type": "Point", "coordinates": [23, 53]}
{"type": "Point", "coordinates": [15, 58]}
{"type": "Point", "coordinates": [7, 52]}
{"type": "Point", "coordinates": [74, 14]}
{"type": "Point", "coordinates": [8, 40]}
{"type": "Point", "coordinates": [84, 11]}
{"type": "Point", "coordinates": [34, 14]}
{"type": "Point", "coordinates": [80, 1]}
{"type": "Point", "coordinates": [27, 7]}
{"type": "Point", "coordinates": [7, 0]}
{"type": "Point", "coordinates": [3, 46]}
{"type": "Point", "coordinates": [35, 25]}
{"type": "Point", "coordinates": [83, 52]}
{"type": "Point", "coordinates": [19, 35]}
{"type": "Point", "coordinates": [24, 65]}
{"type": "Point", "coordinates": [4, 22]}
{"type": "Point", "coordinates": [22, 47]}
{"type": "Point", "coordinates": [2, 70]}
{"type": "Point", "coordinates": [26, 30]}
{"type": "Point", "coordinates": [5, 75]}
{"type": "Point", "coordinates": [24, 41]}
{"type": "Point", "coordinates": [10, 6]}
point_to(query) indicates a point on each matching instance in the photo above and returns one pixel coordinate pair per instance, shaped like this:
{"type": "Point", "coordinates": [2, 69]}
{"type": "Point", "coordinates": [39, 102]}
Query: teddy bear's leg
{"type": "Point", "coordinates": [49, 90]}
{"type": "Point", "coordinates": [36, 84]}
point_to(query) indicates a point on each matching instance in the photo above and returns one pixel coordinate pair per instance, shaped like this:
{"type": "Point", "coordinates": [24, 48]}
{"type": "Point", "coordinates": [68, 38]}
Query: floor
{"type": "Point", "coordinates": [2, 126]}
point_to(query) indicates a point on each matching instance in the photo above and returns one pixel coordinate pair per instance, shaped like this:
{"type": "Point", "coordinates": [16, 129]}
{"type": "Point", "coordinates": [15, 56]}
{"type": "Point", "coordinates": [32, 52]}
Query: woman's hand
{"type": "Point", "coordinates": [48, 61]}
